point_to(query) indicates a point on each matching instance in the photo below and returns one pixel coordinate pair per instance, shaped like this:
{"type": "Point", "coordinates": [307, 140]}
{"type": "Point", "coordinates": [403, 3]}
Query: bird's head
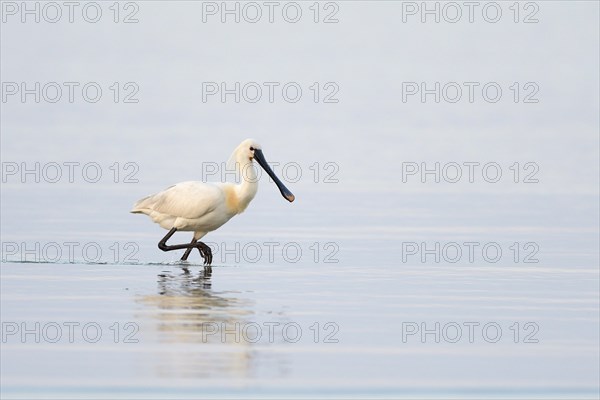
{"type": "Point", "coordinates": [250, 150]}
{"type": "Point", "coordinates": [247, 149]}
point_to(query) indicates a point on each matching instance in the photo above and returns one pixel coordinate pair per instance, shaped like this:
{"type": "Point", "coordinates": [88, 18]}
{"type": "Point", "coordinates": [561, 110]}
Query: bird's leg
{"type": "Point", "coordinates": [205, 251]}
{"type": "Point", "coordinates": [163, 242]}
{"type": "Point", "coordinates": [189, 250]}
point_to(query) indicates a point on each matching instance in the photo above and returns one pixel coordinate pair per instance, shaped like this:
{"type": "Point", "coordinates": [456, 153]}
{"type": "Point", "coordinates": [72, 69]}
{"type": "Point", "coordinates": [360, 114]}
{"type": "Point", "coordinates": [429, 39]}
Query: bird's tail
{"type": "Point", "coordinates": [141, 206]}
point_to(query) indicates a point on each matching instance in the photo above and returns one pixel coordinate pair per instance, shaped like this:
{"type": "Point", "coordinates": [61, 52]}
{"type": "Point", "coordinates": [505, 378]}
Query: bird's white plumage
{"type": "Point", "coordinates": [202, 207]}
{"type": "Point", "coordinates": [185, 206]}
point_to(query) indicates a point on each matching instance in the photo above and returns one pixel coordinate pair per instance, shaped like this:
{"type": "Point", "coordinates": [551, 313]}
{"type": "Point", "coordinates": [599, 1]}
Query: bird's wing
{"type": "Point", "coordinates": [186, 200]}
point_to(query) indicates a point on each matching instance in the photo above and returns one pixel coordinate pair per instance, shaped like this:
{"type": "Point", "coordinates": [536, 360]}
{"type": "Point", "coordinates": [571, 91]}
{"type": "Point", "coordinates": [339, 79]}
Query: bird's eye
{"type": "Point", "coordinates": [251, 148]}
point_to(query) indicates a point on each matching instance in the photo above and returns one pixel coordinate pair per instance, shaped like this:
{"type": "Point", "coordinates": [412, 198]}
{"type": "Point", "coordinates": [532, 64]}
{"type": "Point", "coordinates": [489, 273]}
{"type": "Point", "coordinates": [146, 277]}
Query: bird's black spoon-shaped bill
{"type": "Point", "coordinates": [260, 158]}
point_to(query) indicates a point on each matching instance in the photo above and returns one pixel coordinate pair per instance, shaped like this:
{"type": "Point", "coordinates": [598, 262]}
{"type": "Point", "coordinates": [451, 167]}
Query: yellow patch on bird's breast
{"type": "Point", "coordinates": [232, 201]}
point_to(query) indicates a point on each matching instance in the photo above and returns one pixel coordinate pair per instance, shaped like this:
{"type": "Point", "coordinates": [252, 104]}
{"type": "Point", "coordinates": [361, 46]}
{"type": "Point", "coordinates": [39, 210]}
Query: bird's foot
{"type": "Point", "coordinates": [205, 252]}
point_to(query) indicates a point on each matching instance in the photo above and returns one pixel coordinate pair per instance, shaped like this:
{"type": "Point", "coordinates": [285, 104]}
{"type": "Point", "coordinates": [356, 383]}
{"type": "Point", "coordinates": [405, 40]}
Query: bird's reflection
{"type": "Point", "coordinates": [189, 283]}
{"type": "Point", "coordinates": [200, 331]}
{"type": "Point", "coordinates": [187, 311]}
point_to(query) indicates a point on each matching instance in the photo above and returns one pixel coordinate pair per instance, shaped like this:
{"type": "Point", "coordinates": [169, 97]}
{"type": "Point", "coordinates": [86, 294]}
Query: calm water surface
{"type": "Point", "coordinates": [343, 325]}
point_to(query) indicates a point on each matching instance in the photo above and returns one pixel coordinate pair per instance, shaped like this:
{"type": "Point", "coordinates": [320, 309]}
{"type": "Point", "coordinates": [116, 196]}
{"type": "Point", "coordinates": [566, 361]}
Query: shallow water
{"type": "Point", "coordinates": [347, 327]}
{"type": "Point", "coordinates": [176, 320]}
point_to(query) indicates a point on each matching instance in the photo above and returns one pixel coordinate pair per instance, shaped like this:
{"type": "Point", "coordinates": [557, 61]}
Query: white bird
{"type": "Point", "coordinates": [203, 207]}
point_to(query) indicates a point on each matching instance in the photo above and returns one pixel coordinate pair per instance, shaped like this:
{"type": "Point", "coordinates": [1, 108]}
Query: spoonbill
{"type": "Point", "coordinates": [201, 207]}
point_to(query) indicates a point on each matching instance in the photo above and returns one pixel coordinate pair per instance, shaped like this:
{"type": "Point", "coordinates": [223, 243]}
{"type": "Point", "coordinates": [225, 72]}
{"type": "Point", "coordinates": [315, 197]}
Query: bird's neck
{"type": "Point", "coordinates": [248, 186]}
